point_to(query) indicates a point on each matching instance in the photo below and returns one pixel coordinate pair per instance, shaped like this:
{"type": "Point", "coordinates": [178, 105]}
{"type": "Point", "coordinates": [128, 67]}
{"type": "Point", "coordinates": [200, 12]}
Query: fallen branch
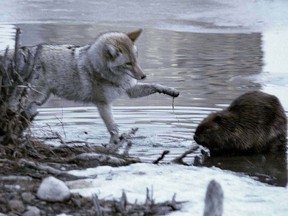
{"type": "Point", "coordinates": [161, 157]}
{"type": "Point", "coordinates": [97, 207]}
{"type": "Point", "coordinates": [39, 166]}
{"type": "Point", "coordinates": [124, 138]}
{"type": "Point", "coordinates": [127, 148]}
{"type": "Point", "coordinates": [123, 207]}
{"type": "Point", "coordinates": [179, 160]}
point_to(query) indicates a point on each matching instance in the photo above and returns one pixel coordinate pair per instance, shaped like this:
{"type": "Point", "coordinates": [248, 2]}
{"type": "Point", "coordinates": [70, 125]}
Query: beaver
{"type": "Point", "coordinates": [254, 123]}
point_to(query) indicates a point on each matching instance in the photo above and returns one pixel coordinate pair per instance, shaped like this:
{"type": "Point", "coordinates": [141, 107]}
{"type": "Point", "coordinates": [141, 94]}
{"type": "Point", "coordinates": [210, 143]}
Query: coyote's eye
{"type": "Point", "coordinates": [128, 64]}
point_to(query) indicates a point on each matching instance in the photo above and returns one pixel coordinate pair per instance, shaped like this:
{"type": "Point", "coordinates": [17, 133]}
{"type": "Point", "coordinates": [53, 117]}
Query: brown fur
{"type": "Point", "coordinates": [254, 123]}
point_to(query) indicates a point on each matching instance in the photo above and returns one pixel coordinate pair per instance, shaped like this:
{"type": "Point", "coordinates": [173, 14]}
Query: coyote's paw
{"type": "Point", "coordinates": [171, 91]}
{"type": "Point", "coordinates": [114, 139]}
{"type": "Point", "coordinates": [114, 136]}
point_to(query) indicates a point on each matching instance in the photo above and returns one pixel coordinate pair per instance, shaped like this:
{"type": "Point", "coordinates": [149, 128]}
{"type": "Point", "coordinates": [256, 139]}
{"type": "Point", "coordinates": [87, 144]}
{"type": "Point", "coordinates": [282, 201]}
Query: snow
{"type": "Point", "coordinates": [242, 195]}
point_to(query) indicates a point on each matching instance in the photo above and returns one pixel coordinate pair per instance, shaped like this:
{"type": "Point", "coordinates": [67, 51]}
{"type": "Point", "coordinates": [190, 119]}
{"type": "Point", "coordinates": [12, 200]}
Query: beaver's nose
{"type": "Point", "coordinates": [196, 138]}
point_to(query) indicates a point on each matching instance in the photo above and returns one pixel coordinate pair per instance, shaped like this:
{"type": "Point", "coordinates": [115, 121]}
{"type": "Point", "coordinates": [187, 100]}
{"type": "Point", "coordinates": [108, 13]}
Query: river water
{"type": "Point", "coordinates": [211, 51]}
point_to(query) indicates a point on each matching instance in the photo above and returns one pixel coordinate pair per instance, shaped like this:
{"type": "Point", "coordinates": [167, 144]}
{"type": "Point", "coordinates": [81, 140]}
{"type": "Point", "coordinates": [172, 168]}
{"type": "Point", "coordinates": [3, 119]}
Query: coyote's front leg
{"type": "Point", "coordinates": [105, 111]}
{"type": "Point", "coordinates": [143, 89]}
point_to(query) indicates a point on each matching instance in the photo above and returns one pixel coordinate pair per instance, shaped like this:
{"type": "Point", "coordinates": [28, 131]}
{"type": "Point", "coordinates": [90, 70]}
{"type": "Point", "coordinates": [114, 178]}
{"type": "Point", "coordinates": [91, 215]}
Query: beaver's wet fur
{"type": "Point", "coordinates": [255, 123]}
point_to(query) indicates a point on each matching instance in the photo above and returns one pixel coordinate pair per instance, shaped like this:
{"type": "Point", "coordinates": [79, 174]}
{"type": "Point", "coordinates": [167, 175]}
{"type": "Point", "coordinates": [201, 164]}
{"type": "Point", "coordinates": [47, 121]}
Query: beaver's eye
{"type": "Point", "coordinates": [218, 119]}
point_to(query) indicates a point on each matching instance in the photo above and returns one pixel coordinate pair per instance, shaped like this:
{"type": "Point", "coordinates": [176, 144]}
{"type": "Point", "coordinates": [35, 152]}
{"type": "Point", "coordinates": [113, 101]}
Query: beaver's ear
{"type": "Point", "coordinates": [134, 35]}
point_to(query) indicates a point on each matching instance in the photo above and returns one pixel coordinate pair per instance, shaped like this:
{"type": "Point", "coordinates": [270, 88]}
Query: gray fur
{"type": "Point", "coordinates": [98, 73]}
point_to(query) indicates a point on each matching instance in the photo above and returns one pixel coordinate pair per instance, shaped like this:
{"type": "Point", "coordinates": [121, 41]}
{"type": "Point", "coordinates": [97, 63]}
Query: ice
{"type": "Point", "coordinates": [242, 195]}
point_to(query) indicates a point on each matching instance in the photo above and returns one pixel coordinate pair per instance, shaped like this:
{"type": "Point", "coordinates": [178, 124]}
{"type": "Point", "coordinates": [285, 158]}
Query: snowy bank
{"type": "Point", "coordinates": [242, 195]}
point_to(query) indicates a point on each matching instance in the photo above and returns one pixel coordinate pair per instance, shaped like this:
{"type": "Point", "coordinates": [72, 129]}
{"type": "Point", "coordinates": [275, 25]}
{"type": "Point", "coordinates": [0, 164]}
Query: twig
{"type": "Point", "coordinates": [149, 200]}
{"type": "Point", "coordinates": [97, 206]}
{"type": "Point", "coordinates": [60, 138]}
{"type": "Point", "coordinates": [127, 148]}
{"type": "Point", "coordinates": [161, 157]}
{"type": "Point", "coordinates": [56, 135]}
{"type": "Point", "coordinates": [122, 204]}
{"type": "Point", "coordinates": [179, 160]}
{"type": "Point", "coordinates": [62, 124]}
{"type": "Point", "coordinates": [29, 66]}
{"type": "Point", "coordinates": [0, 82]}
{"type": "Point", "coordinates": [123, 201]}
{"type": "Point", "coordinates": [5, 67]}
{"type": "Point", "coordinates": [123, 138]}
{"type": "Point", "coordinates": [174, 203]}
{"type": "Point", "coordinates": [16, 49]}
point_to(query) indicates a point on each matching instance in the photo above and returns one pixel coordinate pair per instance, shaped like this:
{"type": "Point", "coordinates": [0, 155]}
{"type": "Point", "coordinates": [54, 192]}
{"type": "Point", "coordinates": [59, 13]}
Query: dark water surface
{"type": "Point", "coordinates": [210, 68]}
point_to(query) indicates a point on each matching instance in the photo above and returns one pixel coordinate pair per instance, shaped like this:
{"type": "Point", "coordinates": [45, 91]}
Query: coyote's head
{"type": "Point", "coordinates": [120, 54]}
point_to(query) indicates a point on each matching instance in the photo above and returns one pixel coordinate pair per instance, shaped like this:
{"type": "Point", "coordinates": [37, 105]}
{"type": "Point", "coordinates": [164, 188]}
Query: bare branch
{"type": "Point", "coordinates": [97, 206]}
{"type": "Point", "coordinates": [31, 62]}
{"type": "Point", "coordinates": [127, 148]}
{"type": "Point", "coordinates": [179, 160]}
{"type": "Point", "coordinates": [161, 157]}
{"type": "Point", "coordinates": [125, 137]}
{"type": "Point", "coordinates": [39, 166]}
{"type": "Point", "coordinates": [16, 48]}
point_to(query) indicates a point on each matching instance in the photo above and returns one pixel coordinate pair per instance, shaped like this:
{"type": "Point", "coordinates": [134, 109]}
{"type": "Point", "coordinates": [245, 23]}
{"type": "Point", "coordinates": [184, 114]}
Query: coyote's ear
{"type": "Point", "coordinates": [134, 35]}
{"type": "Point", "coordinates": [110, 51]}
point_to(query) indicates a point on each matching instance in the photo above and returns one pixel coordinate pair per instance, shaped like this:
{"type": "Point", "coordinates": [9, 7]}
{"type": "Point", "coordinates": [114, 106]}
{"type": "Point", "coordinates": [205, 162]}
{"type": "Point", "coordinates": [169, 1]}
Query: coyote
{"type": "Point", "coordinates": [97, 73]}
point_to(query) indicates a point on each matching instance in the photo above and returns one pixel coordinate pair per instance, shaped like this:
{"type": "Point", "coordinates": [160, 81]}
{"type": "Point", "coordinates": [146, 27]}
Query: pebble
{"type": "Point", "coordinates": [16, 206]}
{"type": "Point", "coordinates": [27, 197]}
{"type": "Point", "coordinates": [32, 211]}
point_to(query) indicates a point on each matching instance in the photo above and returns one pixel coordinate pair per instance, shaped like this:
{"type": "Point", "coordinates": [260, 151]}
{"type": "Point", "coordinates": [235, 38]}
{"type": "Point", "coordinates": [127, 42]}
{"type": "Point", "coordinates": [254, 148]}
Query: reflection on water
{"type": "Point", "coordinates": [209, 70]}
{"type": "Point", "coordinates": [200, 65]}
{"type": "Point", "coordinates": [271, 169]}
{"type": "Point", "coordinates": [160, 128]}
{"type": "Point", "coordinates": [6, 36]}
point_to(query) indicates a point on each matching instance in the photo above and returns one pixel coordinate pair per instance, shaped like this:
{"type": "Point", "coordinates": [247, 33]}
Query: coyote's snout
{"type": "Point", "coordinates": [137, 72]}
{"type": "Point", "coordinates": [97, 73]}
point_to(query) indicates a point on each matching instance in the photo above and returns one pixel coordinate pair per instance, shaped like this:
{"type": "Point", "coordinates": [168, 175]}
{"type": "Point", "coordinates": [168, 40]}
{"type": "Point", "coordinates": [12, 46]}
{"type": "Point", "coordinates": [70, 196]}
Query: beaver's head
{"type": "Point", "coordinates": [216, 132]}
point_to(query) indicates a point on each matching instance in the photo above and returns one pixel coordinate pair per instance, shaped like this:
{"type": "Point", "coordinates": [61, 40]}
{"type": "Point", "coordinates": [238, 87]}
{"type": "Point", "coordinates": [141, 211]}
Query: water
{"type": "Point", "coordinates": [211, 51]}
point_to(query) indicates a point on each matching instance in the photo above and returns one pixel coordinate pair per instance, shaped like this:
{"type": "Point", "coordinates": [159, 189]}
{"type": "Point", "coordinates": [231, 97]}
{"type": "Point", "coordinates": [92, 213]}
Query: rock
{"type": "Point", "coordinates": [53, 190]}
{"type": "Point", "coordinates": [32, 211]}
{"type": "Point", "coordinates": [16, 206]}
{"type": "Point", "coordinates": [27, 197]}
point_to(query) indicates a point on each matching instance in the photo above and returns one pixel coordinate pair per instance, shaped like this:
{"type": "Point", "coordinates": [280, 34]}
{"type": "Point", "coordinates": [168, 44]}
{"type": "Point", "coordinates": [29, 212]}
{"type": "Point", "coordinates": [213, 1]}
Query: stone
{"type": "Point", "coordinates": [16, 206]}
{"type": "Point", "coordinates": [53, 190]}
{"type": "Point", "coordinates": [27, 197]}
{"type": "Point", "coordinates": [32, 211]}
